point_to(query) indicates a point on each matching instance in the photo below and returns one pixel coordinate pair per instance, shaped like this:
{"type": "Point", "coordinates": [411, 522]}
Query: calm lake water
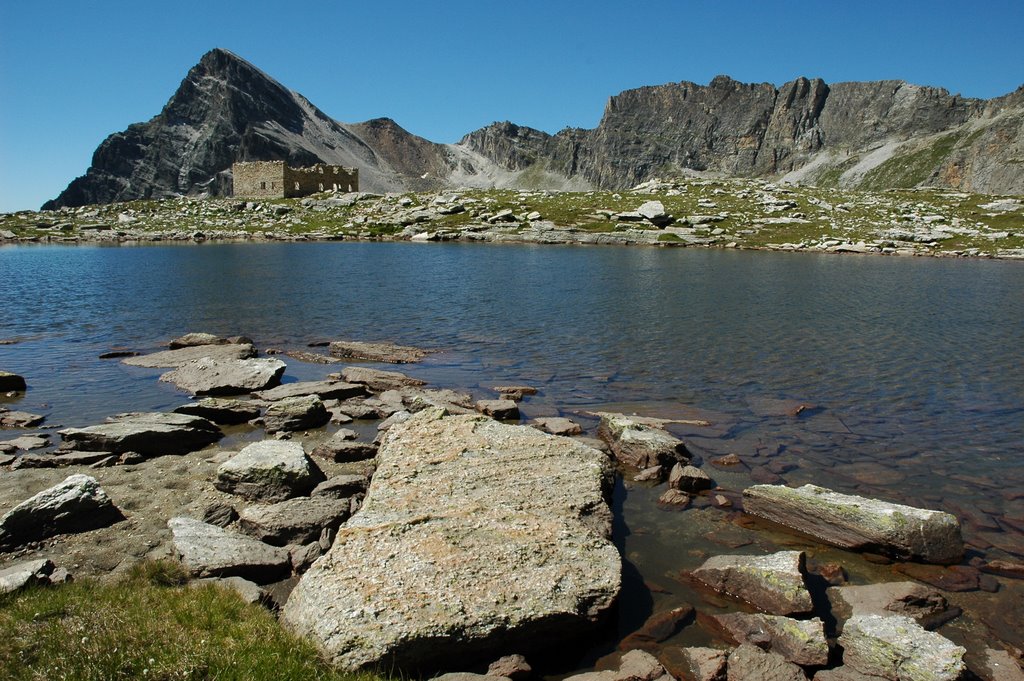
{"type": "Point", "coordinates": [913, 369]}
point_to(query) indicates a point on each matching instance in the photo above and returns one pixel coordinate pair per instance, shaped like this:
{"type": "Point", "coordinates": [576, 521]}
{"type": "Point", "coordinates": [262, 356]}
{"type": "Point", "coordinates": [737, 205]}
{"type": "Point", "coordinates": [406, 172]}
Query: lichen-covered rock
{"type": "Point", "coordinates": [910, 599]}
{"type": "Point", "coordinates": [325, 390]}
{"type": "Point", "coordinates": [148, 433]}
{"type": "Point", "coordinates": [640, 442]}
{"type": "Point", "coordinates": [77, 504]}
{"type": "Point", "coordinates": [269, 471]}
{"type": "Point", "coordinates": [474, 535]}
{"type": "Point", "coordinates": [209, 376]}
{"type": "Point", "coordinates": [293, 521]}
{"type": "Point", "coordinates": [801, 642]}
{"type": "Point", "coordinates": [772, 583]}
{"type": "Point", "coordinates": [295, 413]}
{"type": "Point", "coordinates": [899, 649]}
{"type": "Point", "coordinates": [210, 551]}
{"type": "Point", "coordinates": [169, 359]}
{"type": "Point", "coordinates": [750, 663]}
{"type": "Point", "coordinates": [854, 522]}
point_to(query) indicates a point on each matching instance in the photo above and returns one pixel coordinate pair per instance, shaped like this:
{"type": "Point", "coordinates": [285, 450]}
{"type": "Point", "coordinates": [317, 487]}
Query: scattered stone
{"type": "Point", "coordinates": [220, 514]}
{"type": "Point", "coordinates": [377, 352]}
{"type": "Point", "coordinates": [249, 592]}
{"type": "Point", "coordinates": [854, 522]}
{"type": "Point", "coordinates": [341, 486]}
{"type": "Point", "coordinates": [654, 212]}
{"type": "Point", "coordinates": [26, 442]}
{"type": "Point", "coordinates": [118, 354]}
{"type": "Point", "coordinates": [208, 376]}
{"type": "Point", "coordinates": [191, 340]}
{"type": "Point", "coordinates": [221, 410]}
{"type": "Point", "coordinates": [12, 382]}
{"type": "Point", "coordinates": [269, 471]}
{"type": "Point", "coordinates": [636, 665]}
{"type": "Point", "coordinates": [379, 381]}
{"type": "Point", "coordinates": [77, 504]}
{"type": "Point", "coordinates": [147, 433]}
{"type": "Point", "coordinates": [294, 521]}
{"type": "Point", "coordinates": [432, 568]}
{"type": "Point", "coordinates": [750, 663]}
{"type": "Point", "coordinates": [312, 357]}
{"type": "Point", "coordinates": [175, 358]}
{"type": "Point", "coordinates": [503, 410]}
{"type": "Point", "coordinates": [514, 667]}
{"type": "Point", "coordinates": [557, 425]}
{"type": "Point", "coordinates": [515, 392]}
{"type": "Point", "coordinates": [638, 444]}
{"type": "Point", "coordinates": [675, 499]}
{"type": "Point", "coordinates": [325, 390]}
{"type": "Point", "coordinates": [897, 648]}
{"type": "Point", "coordinates": [654, 473]}
{"type": "Point", "coordinates": [19, 419]}
{"type": "Point", "coordinates": [801, 642]}
{"type": "Point", "coordinates": [295, 413]}
{"type": "Point", "coordinates": [689, 479]}
{"type": "Point", "coordinates": [727, 461]}
{"type": "Point", "coordinates": [210, 551]}
{"type": "Point", "coordinates": [21, 575]}
{"type": "Point", "coordinates": [772, 583]}
{"type": "Point", "coordinates": [659, 627]}
{"type": "Point", "coordinates": [696, 664]}
{"type": "Point", "coordinates": [834, 574]}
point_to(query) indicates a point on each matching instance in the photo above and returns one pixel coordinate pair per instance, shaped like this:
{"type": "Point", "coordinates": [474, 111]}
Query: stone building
{"type": "Point", "coordinates": [277, 180]}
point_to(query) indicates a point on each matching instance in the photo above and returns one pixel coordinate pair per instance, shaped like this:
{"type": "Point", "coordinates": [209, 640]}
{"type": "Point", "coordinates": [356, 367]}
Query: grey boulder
{"type": "Point", "coordinates": [20, 575]}
{"type": "Point", "coordinates": [77, 504]}
{"type": "Point", "coordinates": [750, 663]}
{"type": "Point", "coordinates": [210, 551]}
{"type": "Point", "coordinates": [176, 358]}
{"type": "Point", "coordinates": [772, 583]}
{"type": "Point", "coordinates": [190, 340]}
{"type": "Point", "coordinates": [378, 380]}
{"type": "Point", "coordinates": [148, 433]}
{"type": "Point", "coordinates": [325, 390]}
{"type": "Point", "coordinates": [222, 410]}
{"type": "Point", "coordinates": [210, 376]}
{"type": "Point", "coordinates": [295, 413]}
{"type": "Point", "coordinates": [853, 522]}
{"type": "Point", "coordinates": [19, 419]}
{"type": "Point", "coordinates": [689, 479]}
{"type": "Point", "coordinates": [293, 521]}
{"type": "Point", "coordinates": [899, 649]}
{"type": "Point", "coordinates": [557, 425]}
{"type": "Point", "coordinates": [639, 442]}
{"type": "Point", "coordinates": [269, 471]}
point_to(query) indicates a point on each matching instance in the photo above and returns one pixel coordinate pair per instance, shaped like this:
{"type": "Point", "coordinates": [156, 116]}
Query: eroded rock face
{"type": "Point", "coordinates": [772, 583]}
{"type": "Point", "coordinates": [169, 359]}
{"type": "Point", "coordinates": [147, 433]}
{"type": "Point", "coordinates": [210, 551]}
{"type": "Point", "coordinates": [473, 534]}
{"type": "Point", "coordinates": [269, 471]}
{"type": "Point", "coordinates": [854, 522]}
{"type": "Point", "coordinates": [77, 504]}
{"type": "Point", "coordinates": [209, 376]}
{"type": "Point", "coordinates": [897, 648]}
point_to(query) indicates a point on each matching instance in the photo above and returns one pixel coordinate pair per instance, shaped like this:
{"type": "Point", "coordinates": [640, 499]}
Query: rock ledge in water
{"type": "Point", "coordinates": [474, 535]}
{"type": "Point", "coordinates": [853, 522]}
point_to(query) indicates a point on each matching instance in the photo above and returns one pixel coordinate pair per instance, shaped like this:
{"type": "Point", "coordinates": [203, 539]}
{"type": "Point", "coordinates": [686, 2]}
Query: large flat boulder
{"type": "Point", "coordinates": [899, 649]}
{"type": "Point", "coordinates": [147, 433]}
{"type": "Point", "coordinates": [772, 583]}
{"type": "Point", "coordinates": [169, 359]}
{"type": "Point", "coordinates": [269, 471]}
{"type": "Point", "coordinates": [378, 380]}
{"type": "Point", "coordinates": [295, 413]}
{"type": "Point", "coordinates": [222, 410]}
{"type": "Point", "coordinates": [377, 352]}
{"type": "Point", "coordinates": [325, 390]}
{"type": "Point", "coordinates": [640, 442]}
{"type": "Point", "coordinates": [77, 504]}
{"type": "Point", "coordinates": [293, 521]}
{"type": "Point", "coordinates": [474, 536]}
{"type": "Point", "coordinates": [210, 551]}
{"type": "Point", "coordinates": [210, 376]}
{"type": "Point", "coordinates": [858, 523]}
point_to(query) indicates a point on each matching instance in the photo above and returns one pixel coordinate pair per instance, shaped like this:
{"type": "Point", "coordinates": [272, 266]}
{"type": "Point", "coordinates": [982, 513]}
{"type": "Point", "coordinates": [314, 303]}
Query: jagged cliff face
{"type": "Point", "coordinates": [874, 135]}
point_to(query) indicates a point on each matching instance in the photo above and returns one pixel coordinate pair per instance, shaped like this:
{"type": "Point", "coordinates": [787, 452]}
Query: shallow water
{"type": "Point", "coordinates": [912, 368]}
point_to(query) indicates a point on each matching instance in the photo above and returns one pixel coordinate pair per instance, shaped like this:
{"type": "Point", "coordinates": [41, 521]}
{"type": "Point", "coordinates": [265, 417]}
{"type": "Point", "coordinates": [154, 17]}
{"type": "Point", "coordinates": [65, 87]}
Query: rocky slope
{"type": "Point", "coordinates": [874, 135]}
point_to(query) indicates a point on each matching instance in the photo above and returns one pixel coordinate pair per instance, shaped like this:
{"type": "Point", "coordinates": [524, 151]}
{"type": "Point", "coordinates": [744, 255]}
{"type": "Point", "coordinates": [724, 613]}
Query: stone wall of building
{"type": "Point", "coordinates": [276, 179]}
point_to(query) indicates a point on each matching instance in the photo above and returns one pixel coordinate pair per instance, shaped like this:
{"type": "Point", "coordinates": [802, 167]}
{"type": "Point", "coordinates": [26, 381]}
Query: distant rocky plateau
{"type": "Point", "coordinates": [873, 136]}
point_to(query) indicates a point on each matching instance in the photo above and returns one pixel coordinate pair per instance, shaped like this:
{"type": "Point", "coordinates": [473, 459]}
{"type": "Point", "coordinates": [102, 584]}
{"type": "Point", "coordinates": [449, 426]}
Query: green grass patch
{"type": "Point", "coordinates": [911, 169]}
{"type": "Point", "coordinates": [150, 627]}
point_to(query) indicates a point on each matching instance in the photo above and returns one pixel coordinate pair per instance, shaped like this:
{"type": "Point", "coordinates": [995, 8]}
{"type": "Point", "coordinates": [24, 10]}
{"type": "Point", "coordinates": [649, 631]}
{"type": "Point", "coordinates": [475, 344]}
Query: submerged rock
{"type": "Point", "coordinates": [210, 551]}
{"type": "Point", "coordinates": [209, 376]}
{"type": "Point", "coordinates": [77, 504]}
{"type": "Point", "coordinates": [269, 471]}
{"type": "Point", "coordinates": [897, 648]}
{"type": "Point", "coordinates": [474, 535]}
{"type": "Point", "coordinates": [924, 604]}
{"type": "Point", "coordinates": [854, 522]}
{"type": "Point", "coordinates": [176, 358]}
{"type": "Point", "coordinates": [148, 433]}
{"type": "Point", "coordinates": [772, 583]}
{"type": "Point", "coordinates": [377, 352]}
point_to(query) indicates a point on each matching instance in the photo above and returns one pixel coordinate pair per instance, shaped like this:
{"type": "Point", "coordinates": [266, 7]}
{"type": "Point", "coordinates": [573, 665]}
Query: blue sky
{"type": "Point", "coordinates": [72, 73]}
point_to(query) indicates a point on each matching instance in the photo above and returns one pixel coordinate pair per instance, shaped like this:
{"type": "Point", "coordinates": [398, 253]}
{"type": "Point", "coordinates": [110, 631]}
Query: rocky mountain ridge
{"type": "Point", "coordinates": [874, 135]}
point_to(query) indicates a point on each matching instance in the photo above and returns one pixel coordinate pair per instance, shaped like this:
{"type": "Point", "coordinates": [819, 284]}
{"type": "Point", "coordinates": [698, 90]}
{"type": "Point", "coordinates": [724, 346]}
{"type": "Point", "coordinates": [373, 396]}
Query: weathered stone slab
{"type": "Point", "coordinates": [897, 648]}
{"type": "Point", "coordinates": [210, 551]}
{"type": "Point", "coordinates": [325, 390]}
{"type": "Point", "coordinates": [772, 583]}
{"type": "Point", "coordinates": [474, 535]}
{"type": "Point", "coordinates": [191, 340]}
{"type": "Point", "coordinates": [750, 663]}
{"type": "Point", "coordinates": [340, 447]}
{"type": "Point", "coordinates": [26, 442]}
{"type": "Point", "coordinates": [19, 419]}
{"type": "Point", "coordinates": [638, 443]}
{"type": "Point", "coordinates": [696, 664]}
{"type": "Point", "coordinates": [77, 504]}
{"type": "Point", "coordinates": [182, 356]}
{"type": "Point", "coordinates": [21, 575]}
{"type": "Point", "coordinates": [209, 376]}
{"type": "Point", "coordinates": [854, 522]}
{"type": "Point", "coordinates": [294, 521]}
{"type": "Point", "coordinates": [636, 665]}
{"type": "Point", "coordinates": [658, 627]}
{"type": "Point", "coordinates": [909, 599]}
{"type": "Point", "coordinates": [59, 459]}
{"type": "Point", "coordinates": [148, 433]}
{"type": "Point", "coordinates": [689, 479]}
{"type": "Point", "coordinates": [377, 352]}
{"type": "Point", "coordinates": [801, 642]}
{"type": "Point", "coordinates": [269, 471]}
{"type": "Point", "coordinates": [557, 425]}
{"type": "Point", "coordinates": [221, 410]}
{"type": "Point", "coordinates": [379, 381]}
{"type": "Point", "coordinates": [503, 410]}
{"type": "Point", "coordinates": [341, 486]}
{"type": "Point", "coordinates": [295, 413]}
{"type": "Point", "coordinates": [12, 382]}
